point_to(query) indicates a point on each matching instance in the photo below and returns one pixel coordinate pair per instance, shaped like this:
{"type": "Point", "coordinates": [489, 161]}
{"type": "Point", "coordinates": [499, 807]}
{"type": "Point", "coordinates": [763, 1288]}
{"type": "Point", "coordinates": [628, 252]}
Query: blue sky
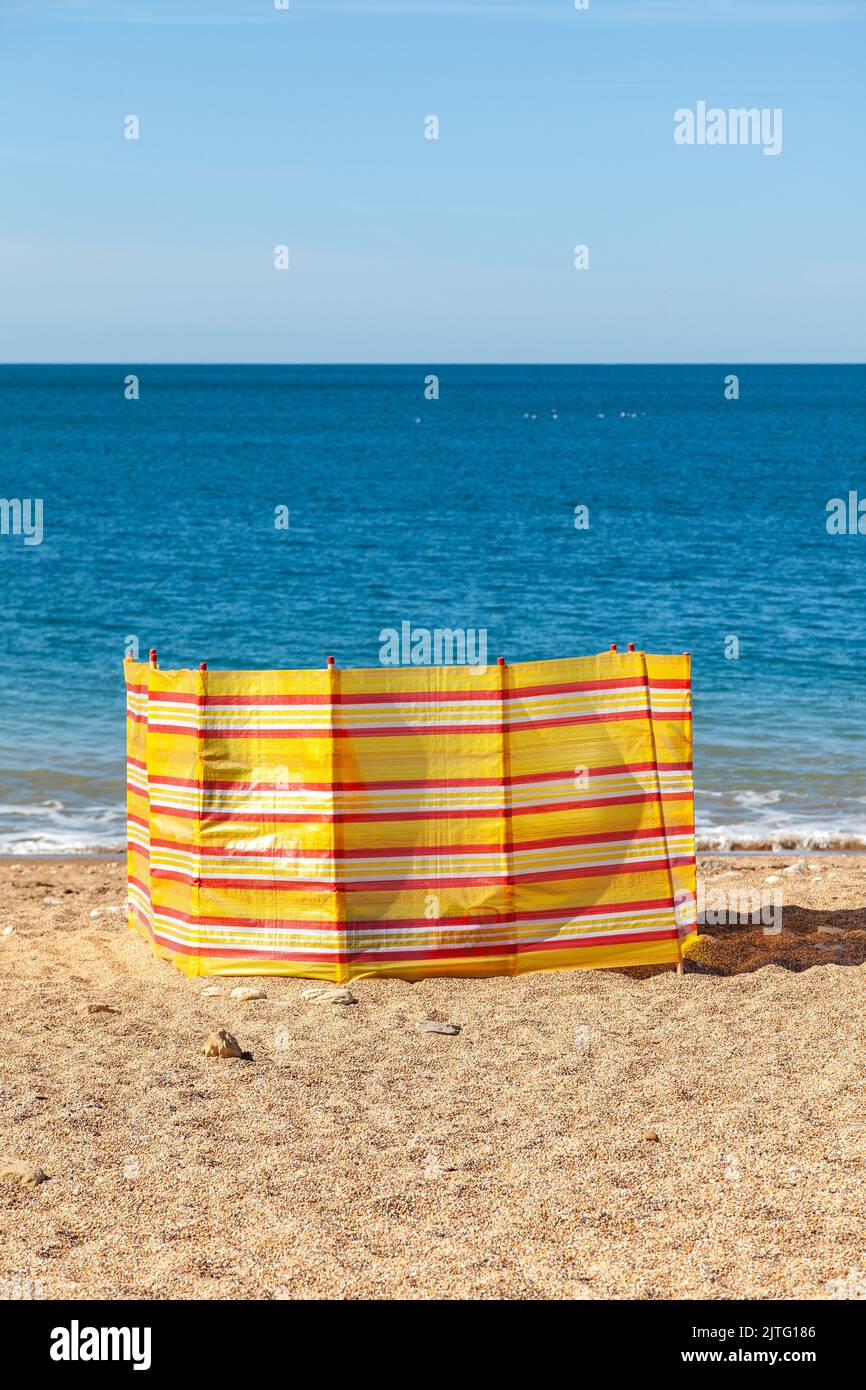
{"type": "Point", "coordinates": [306, 128]}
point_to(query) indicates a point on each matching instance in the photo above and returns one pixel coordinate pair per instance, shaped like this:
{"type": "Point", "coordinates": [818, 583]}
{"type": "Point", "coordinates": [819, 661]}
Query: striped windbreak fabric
{"type": "Point", "coordinates": [413, 821]}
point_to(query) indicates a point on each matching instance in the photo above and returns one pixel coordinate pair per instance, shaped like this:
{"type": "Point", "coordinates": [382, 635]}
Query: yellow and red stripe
{"type": "Point", "coordinates": [413, 821]}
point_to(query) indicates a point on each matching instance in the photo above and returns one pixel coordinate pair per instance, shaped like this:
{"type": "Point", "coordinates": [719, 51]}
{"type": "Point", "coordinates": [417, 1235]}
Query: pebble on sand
{"type": "Point", "coordinates": [247, 992]}
{"type": "Point", "coordinates": [651, 1137]}
{"type": "Point", "coordinates": [432, 1025]}
{"type": "Point", "coordinates": [328, 994]}
{"type": "Point", "coordinates": [211, 991]}
{"type": "Point", "coordinates": [25, 1174]}
{"type": "Point", "coordinates": [221, 1044]}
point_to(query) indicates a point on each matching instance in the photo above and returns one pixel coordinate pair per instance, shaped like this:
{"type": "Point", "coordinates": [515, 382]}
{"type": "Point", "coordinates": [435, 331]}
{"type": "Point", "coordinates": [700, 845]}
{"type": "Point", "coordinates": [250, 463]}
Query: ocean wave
{"type": "Point", "coordinates": [778, 838]}
{"type": "Point", "coordinates": [50, 828]}
{"type": "Point", "coordinates": [745, 820]}
{"type": "Point", "coordinates": [57, 846]}
{"type": "Point", "coordinates": [753, 798]}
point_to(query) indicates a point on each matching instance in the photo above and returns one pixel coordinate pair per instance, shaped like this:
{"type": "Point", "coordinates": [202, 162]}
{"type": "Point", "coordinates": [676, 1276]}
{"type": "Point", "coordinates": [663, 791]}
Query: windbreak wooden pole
{"type": "Point", "coordinates": [680, 961]}
{"type": "Point", "coordinates": [341, 921]}
{"type": "Point", "coordinates": [509, 896]}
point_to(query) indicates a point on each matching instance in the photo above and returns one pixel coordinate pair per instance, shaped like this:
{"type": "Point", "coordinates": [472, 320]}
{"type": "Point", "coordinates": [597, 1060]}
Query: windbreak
{"type": "Point", "coordinates": [413, 821]}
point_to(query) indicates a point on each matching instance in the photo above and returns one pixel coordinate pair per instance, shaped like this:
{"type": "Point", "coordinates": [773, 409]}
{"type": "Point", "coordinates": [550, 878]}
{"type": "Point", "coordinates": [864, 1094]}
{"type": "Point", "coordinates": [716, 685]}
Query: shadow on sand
{"type": "Point", "coordinates": [804, 937]}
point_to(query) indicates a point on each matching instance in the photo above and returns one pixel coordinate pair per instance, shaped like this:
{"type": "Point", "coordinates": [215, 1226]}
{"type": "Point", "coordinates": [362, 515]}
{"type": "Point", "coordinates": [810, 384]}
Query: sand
{"type": "Point", "coordinates": [357, 1157]}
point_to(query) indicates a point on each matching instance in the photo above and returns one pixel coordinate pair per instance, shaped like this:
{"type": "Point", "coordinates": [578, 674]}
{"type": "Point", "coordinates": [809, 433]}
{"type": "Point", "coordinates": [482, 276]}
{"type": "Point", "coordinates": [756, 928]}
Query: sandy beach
{"type": "Point", "coordinates": [586, 1135]}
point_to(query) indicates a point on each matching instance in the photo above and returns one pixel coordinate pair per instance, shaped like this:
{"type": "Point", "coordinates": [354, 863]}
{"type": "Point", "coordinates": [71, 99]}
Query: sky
{"type": "Point", "coordinates": [261, 127]}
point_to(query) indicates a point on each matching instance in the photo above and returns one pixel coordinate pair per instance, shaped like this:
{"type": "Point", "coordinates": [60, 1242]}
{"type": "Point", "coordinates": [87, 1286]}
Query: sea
{"type": "Point", "coordinates": [268, 516]}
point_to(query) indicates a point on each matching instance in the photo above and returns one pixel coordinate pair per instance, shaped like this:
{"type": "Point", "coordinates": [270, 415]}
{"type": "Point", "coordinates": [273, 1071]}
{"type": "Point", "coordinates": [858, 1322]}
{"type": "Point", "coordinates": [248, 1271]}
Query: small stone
{"type": "Point", "coordinates": [329, 995]}
{"type": "Point", "coordinates": [651, 1137]}
{"type": "Point", "coordinates": [247, 992]}
{"type": "Point", "coordinates": [96, 1009]}
{"type": "Point", "coordinates": [211, 992]}
{"type": "Point", "coordinates": [798, 868]}
{"type": "Point", "coordinates": [221, 1044]}
{"type": "Point", "coordinates": [432, 1025]}
{"type": "Point", "coordinates": [25, 1174]}
{"type": "Point", "coordinates": [51, 902]}
{"type": "Point", "coordinates": [7, 931]}
{"type": "Point", "coordinates": [773, 878]}
{"type": "Point", "coordinates": [826, 930]}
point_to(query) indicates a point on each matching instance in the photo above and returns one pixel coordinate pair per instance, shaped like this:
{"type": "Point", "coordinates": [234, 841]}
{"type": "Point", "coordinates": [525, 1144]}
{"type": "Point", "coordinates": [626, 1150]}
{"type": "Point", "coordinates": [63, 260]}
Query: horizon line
{"type": "Point", "coordinates": [436, 361]}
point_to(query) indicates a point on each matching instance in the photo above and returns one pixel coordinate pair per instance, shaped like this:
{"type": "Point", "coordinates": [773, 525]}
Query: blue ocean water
{"type": "Point", "coordinates": [707, 522]}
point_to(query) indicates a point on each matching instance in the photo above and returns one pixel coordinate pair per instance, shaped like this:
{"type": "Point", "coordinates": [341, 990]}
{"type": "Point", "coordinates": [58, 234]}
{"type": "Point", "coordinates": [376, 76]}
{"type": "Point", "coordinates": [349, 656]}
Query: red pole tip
{"type": "Point", "coordinates": [500, 661]}
{"type": "Point", "coordinates": [613, 646]}
{"type": "Point", "coordinates": [330, 662]}
{"type": "Point", "coordinates": [202, 666]}
{"type": "Point", "coordinates": [631, 646]}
